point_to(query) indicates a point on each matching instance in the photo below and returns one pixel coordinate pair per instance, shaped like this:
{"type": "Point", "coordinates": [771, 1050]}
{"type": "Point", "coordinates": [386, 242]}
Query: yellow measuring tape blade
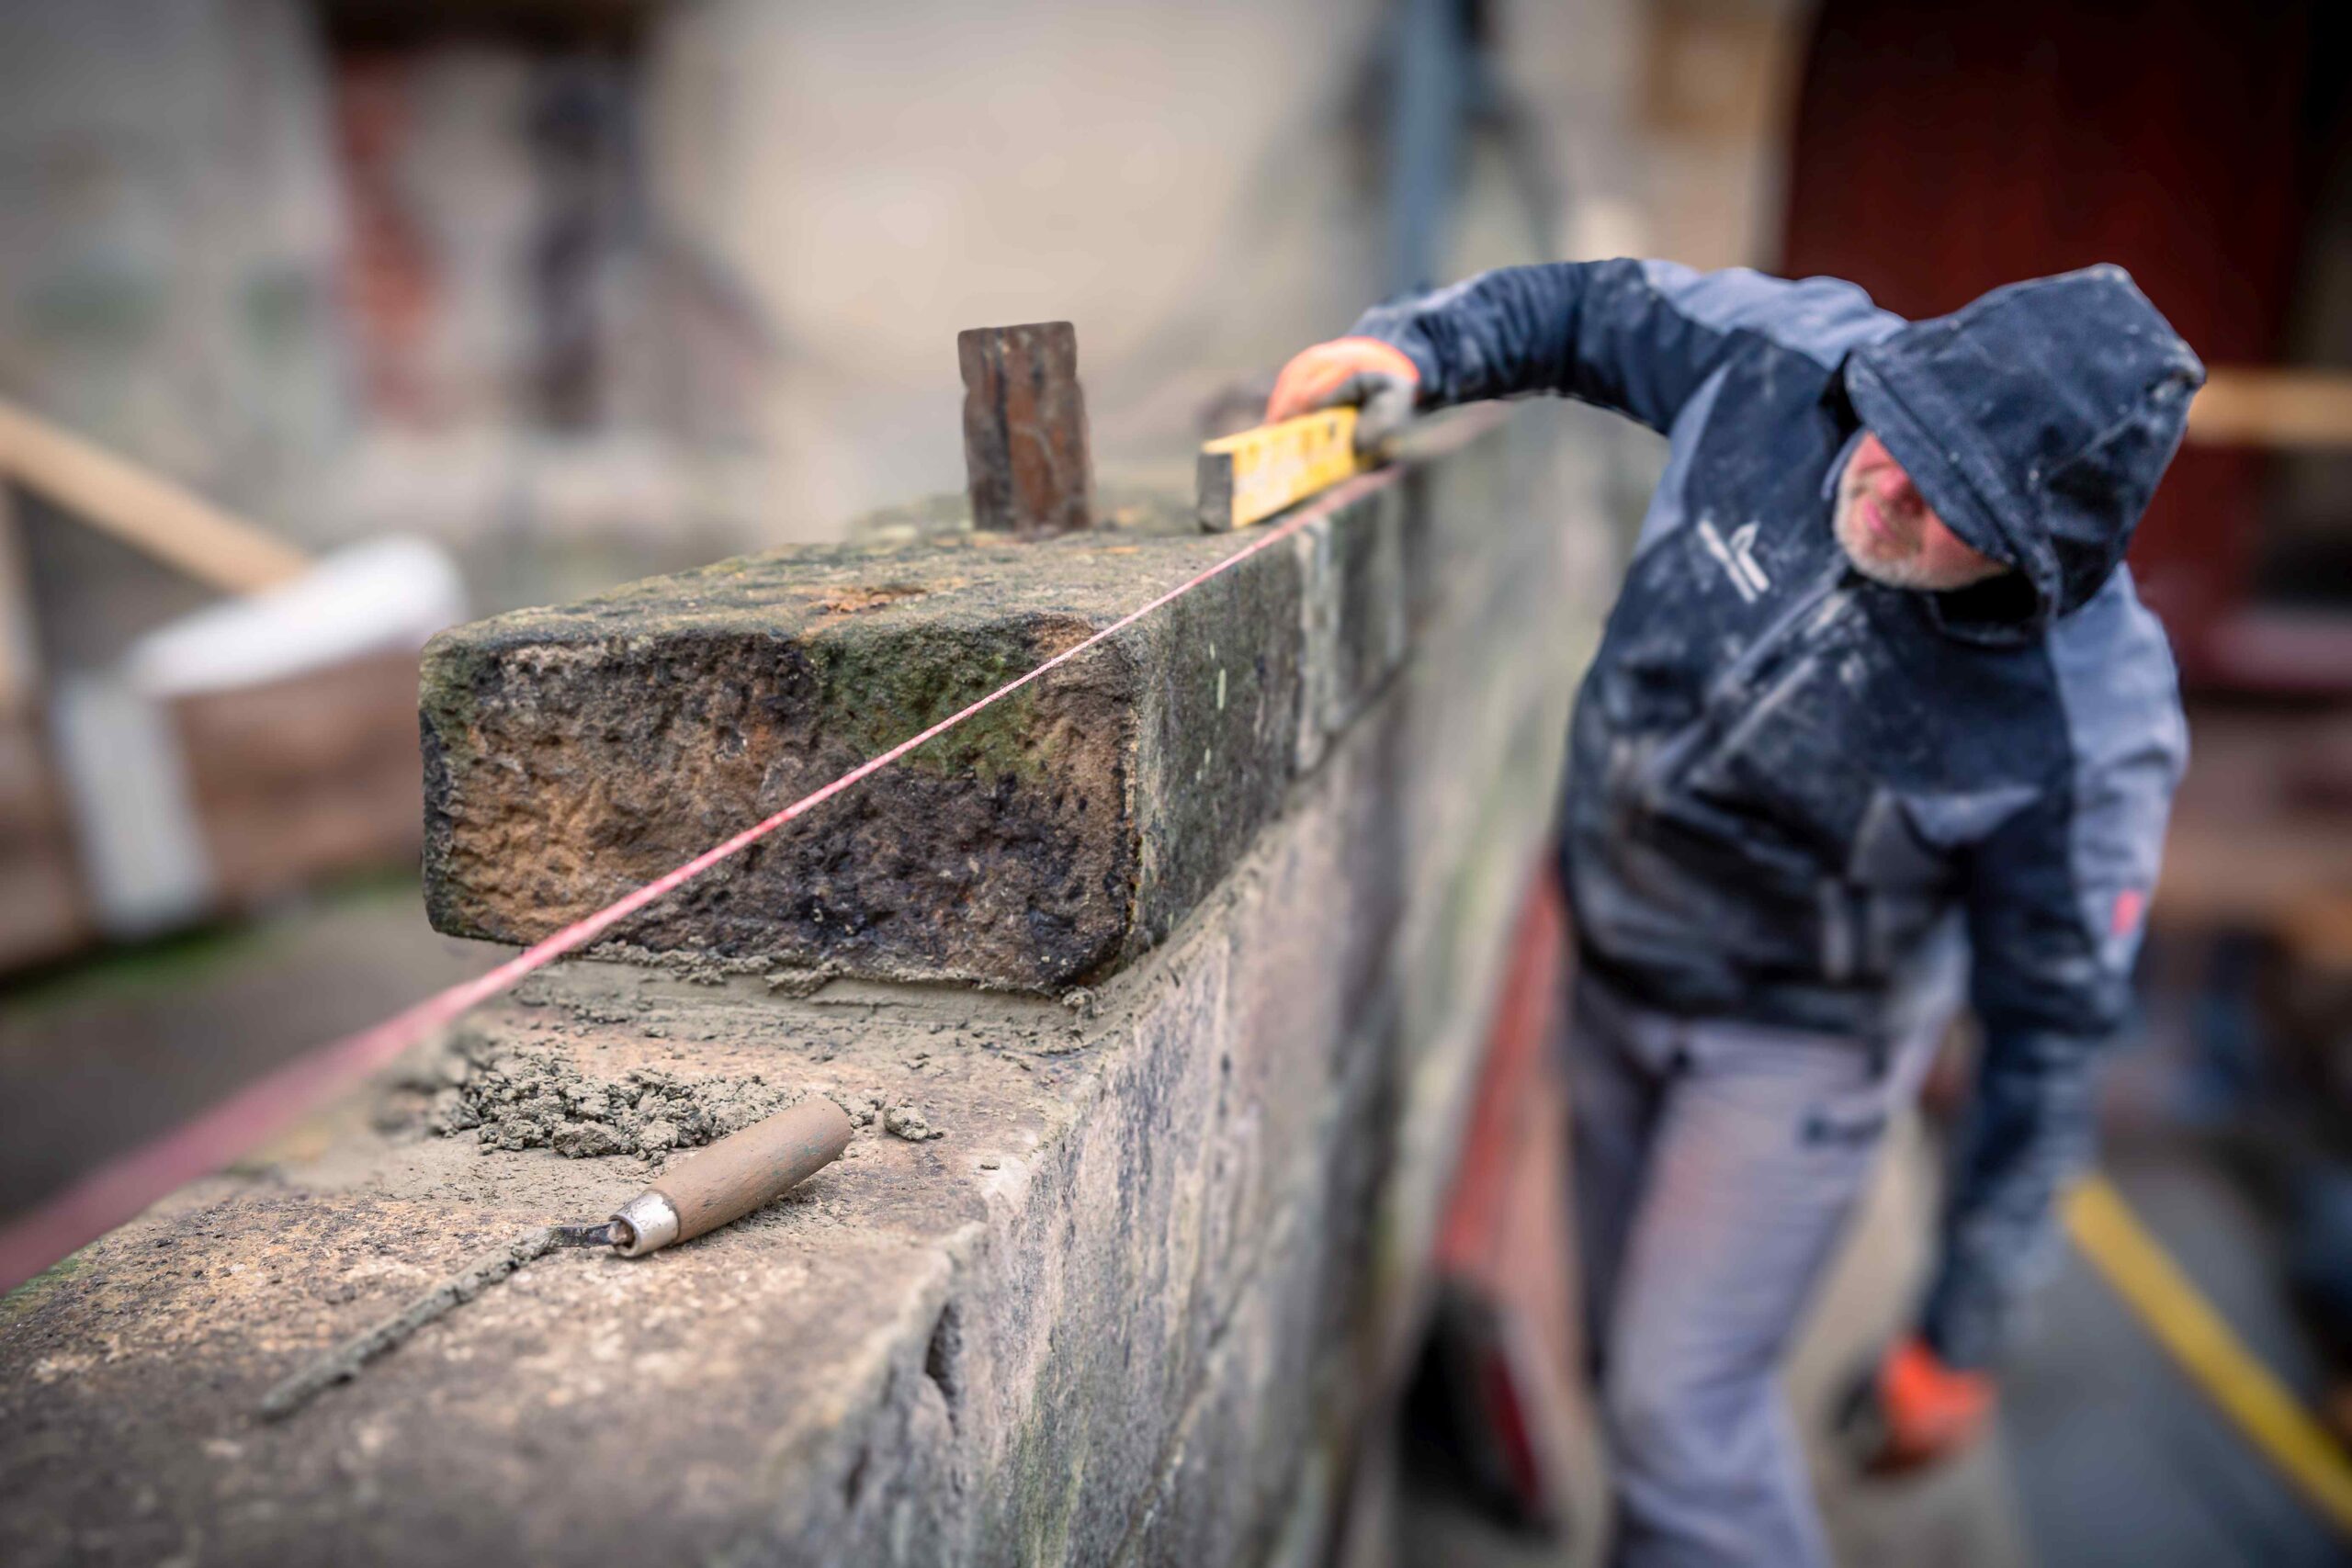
{"type": "Point", "coordinates": [1248, 477]}
{"type": "Point", "coordinates": [2185, 1325]}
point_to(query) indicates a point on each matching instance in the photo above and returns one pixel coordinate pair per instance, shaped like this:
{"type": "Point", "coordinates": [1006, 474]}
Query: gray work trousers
{"type": "Point", "coordinates": [1716, 1164]}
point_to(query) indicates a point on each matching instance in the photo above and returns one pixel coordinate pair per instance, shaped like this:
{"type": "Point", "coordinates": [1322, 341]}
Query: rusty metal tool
{"type": "Point", "coordinates": [734, 1176]}
{"type": "Point", "coordinates": [1025, 452]}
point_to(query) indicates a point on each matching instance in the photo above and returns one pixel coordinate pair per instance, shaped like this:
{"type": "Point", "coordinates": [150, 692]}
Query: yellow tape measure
{"type": "Point", "coordinates": [1248, 477]}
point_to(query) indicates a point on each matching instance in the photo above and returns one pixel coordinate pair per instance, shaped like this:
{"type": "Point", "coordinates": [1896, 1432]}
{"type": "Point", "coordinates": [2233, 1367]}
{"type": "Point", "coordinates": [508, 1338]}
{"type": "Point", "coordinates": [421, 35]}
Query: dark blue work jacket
{"type": "Point", "coordinates": [1787, 782]}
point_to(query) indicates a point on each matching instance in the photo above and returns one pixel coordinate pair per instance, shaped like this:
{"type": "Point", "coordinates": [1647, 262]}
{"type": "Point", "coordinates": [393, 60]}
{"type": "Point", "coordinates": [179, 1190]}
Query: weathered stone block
{"type": "Point", "coordinates": [573, 753]}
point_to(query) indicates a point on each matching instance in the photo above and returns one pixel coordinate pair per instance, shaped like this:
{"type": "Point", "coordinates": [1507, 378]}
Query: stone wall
{"type": "Point", "coordinates": [1132, 1302]}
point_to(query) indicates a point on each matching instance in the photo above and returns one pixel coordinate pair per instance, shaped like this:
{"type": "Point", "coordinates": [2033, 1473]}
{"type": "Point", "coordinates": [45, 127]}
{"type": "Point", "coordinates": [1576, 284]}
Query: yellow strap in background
{"type": "Point", "coordinates": [2185, 1325]}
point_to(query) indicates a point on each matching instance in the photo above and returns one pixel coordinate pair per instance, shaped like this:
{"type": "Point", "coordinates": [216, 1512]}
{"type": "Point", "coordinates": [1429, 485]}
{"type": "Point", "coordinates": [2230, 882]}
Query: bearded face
{"type": "Point", "coordinates": [1893, 536]}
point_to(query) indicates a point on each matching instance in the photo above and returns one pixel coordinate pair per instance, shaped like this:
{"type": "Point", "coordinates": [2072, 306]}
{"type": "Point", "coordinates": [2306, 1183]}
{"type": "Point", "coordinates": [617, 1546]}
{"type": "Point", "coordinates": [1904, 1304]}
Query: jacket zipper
{"type": "Point", "coordinates": [1667, 761]}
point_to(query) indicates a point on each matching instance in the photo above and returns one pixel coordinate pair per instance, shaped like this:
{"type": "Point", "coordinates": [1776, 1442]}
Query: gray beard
{"type": "Point", "coordinates": [1911, 573]}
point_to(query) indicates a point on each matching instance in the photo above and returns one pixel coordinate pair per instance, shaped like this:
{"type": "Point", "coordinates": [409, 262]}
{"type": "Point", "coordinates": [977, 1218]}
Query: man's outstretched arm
{"type": "Point", "coordinates": [1636, 336]}
{"type": "Point", "coordinates": [2055, 906]}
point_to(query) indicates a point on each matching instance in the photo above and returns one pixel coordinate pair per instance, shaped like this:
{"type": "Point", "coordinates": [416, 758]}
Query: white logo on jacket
{"type": "Point", "coordinates": [1737, 558]}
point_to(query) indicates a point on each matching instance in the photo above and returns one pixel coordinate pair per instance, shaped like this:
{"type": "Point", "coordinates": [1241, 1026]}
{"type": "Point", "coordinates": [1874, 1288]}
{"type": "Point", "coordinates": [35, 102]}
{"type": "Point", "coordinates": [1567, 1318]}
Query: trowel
{"type": "Point", "coordinates": [734, 1176]}
{"type": "Point", "coordinates": [703, 1192]}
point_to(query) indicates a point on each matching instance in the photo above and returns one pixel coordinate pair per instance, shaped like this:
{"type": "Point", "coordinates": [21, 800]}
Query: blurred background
{"type": "Point", "coordinates": [324, 324]}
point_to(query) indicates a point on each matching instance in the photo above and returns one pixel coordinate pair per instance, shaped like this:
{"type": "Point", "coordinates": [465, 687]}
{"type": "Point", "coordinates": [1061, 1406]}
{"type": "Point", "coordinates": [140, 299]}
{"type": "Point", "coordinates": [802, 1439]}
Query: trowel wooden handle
{"type": "Point", "coordinates": [745, 1169]}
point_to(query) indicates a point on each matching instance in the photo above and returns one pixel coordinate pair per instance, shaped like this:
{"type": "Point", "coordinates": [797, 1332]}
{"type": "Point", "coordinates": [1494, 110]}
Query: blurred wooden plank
{"type": "Point", "coordinates": [2317, 929]}
{"type": "Point", "coordinates": [305, 777]}
{"type": "Point", "coordinates": [143, 511]}
{"type": "Point", "coordinates": [2240, 406]}
{"type": "Point", "coordinates": [19, 648]}
{"type": "Point", "coordinates": [44, 912]}
{"type": "Point", "coordinates": [2245, 847]}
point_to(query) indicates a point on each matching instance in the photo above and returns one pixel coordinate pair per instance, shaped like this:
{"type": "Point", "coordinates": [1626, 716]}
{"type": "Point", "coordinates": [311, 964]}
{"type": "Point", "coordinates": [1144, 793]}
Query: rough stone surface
{"type": "Point", "coordinates": [573, 754]}
{"type": "Point", "coordinates": [1128, 1307]}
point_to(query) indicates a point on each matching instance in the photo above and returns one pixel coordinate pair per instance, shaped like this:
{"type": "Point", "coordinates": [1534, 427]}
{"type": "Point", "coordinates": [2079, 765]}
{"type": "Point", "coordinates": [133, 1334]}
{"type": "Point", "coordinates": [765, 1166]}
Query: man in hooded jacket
{"type": "Point", "coordinates": [1877, 717]}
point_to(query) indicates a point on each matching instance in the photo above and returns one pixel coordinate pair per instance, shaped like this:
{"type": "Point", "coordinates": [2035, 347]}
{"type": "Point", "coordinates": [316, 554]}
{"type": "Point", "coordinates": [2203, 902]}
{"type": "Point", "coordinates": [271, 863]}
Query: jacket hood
{"type": "Point", "coordinates": [2036, 421]}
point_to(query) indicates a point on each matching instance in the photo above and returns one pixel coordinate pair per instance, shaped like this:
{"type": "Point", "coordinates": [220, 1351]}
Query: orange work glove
{"type": "Point", "coordinates": [1913, 1411]}
{"type": "Point", "coordinates": [1377, 377]}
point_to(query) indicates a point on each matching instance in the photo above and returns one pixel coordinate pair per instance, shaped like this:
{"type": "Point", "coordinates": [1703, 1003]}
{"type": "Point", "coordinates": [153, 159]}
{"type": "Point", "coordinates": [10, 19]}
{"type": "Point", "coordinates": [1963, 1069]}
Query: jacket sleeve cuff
{"type": "Point", "coordinates": [1393, 326]}
{"type": "Point", "coordinates": [1966, 1335]}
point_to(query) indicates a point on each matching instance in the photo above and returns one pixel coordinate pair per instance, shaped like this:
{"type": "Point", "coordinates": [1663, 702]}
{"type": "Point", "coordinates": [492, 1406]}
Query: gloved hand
{"type": "Point", "coordinates": [1378, 378]}
{"type": "Point", "coordinates": [1912, 1410]}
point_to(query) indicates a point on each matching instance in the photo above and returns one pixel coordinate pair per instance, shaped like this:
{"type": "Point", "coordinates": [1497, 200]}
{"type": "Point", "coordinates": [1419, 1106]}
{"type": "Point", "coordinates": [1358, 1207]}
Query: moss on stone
{"type": "Point", "coordinates": [878, 690]}
{"type": "Point", "coordinates": [29, 1294]}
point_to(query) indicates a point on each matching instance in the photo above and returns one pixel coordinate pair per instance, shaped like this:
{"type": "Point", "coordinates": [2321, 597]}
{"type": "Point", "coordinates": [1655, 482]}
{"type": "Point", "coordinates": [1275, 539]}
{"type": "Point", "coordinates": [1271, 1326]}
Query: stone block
{"type": "Point", "coordinates": [574, 753]}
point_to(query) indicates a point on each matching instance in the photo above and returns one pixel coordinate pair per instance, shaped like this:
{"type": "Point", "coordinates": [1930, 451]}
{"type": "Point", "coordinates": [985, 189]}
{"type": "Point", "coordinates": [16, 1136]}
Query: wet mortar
{"type": "Point", "coordinates": [514, 1100]}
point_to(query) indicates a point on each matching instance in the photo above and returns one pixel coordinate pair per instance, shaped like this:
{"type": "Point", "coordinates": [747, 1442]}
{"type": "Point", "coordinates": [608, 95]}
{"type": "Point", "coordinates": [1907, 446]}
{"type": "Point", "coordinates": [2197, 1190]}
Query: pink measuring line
{"type": "Point", "coordinates": [118, 1190]}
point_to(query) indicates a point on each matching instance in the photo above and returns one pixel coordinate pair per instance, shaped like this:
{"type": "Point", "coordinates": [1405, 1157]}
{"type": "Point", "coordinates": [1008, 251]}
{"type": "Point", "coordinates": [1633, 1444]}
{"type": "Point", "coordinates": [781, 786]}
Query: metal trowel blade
{"type": "Point", "coordinates": [584, 1236]}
